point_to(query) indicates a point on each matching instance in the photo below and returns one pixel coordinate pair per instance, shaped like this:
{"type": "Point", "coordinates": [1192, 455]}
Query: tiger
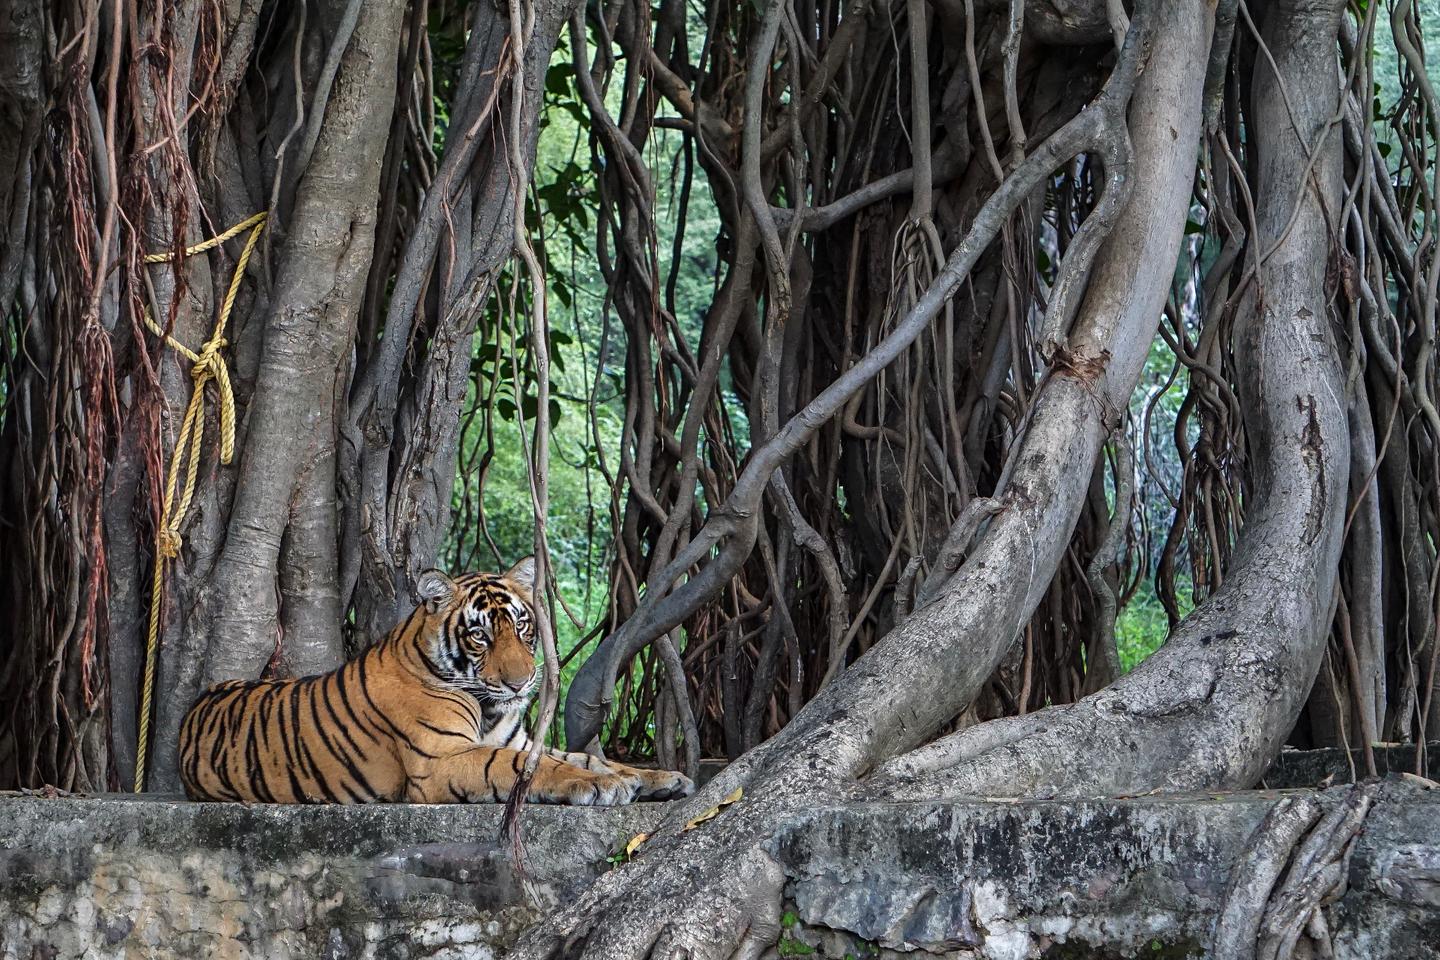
{"type": "Point", "coordinates": [433, 713]}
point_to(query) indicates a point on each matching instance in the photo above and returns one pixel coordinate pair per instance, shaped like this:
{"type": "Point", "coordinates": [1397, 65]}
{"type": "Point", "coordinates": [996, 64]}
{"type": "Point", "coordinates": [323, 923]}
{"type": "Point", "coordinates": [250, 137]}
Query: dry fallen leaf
{"type": "Point", "coordinates": [714, 811]}
{"type": "Point", "coordinates": [634, 843]}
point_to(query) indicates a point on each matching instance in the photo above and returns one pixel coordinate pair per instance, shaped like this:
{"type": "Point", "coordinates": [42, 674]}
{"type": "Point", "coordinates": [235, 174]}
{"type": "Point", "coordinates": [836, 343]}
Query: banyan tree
{"type": "Point", "coordinates": [903, 347]}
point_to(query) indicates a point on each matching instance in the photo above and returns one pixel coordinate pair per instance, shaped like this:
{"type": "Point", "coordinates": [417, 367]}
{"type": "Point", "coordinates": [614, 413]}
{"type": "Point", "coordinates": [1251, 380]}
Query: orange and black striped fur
{"type": "Point", "coordinates": [434, 713]}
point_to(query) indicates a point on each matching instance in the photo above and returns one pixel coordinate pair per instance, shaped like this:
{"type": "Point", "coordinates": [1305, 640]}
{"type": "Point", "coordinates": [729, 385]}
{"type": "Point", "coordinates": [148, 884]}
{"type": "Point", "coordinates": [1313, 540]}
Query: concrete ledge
{"type": "Point", "coordinates": [122, 877]}
{"type": "Point", "coordinates": [126, 877]}
{"type": "Point", "coordinates": [1309, 768]}
{"type": "Point", "coordinates": [1095, 878]}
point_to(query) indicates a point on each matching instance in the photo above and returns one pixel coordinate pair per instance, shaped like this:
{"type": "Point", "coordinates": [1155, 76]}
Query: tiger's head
{"type": "Point", "coordinates": [481, 632]}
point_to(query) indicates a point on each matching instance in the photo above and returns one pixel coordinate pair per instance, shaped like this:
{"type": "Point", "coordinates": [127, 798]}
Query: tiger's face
{"type": "Point", "coordinates": [482, 631]}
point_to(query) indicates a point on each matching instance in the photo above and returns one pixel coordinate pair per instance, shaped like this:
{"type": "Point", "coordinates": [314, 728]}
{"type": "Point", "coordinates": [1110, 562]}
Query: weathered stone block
{"type": "Point", "coordinates": [126, 877]}
{"type": "Point", "coordinates": [1141, 877]}
{"type": "Point", "coordinates": [1309, 768]}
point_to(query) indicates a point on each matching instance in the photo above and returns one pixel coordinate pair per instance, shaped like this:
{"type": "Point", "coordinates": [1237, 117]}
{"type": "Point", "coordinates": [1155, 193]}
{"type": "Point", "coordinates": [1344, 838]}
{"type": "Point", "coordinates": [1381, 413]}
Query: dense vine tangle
{"type": "Point", "coordinates": [816, 155]}
{"type": "Point", "coordinates": [56, 577]}
{"type": "Point", "coordinates": [805, 292]}
{"type": "Point", "coordinates": [811, 163]}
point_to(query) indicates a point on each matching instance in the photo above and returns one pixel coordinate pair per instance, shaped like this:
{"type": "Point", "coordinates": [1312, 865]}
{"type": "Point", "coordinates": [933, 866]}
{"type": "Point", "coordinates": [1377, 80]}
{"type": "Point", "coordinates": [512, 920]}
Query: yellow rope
{"type": "Point", "coordinates": [207, 365]}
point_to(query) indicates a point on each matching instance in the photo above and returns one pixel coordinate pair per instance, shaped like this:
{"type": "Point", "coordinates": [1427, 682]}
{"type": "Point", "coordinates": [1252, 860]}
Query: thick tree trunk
{"type": "Point", "coordinates": [292, 423]}
{"type": "Point", "coordinates": [21, 121]}
{"type": "Point", "coordinates": [169, 125]}
{"type": "Point", "coordinates": [1212, 707]}
{"type": "Point", "coordinates": [22, 114]}
{"type": "Point", "coordinates": [975, 392]}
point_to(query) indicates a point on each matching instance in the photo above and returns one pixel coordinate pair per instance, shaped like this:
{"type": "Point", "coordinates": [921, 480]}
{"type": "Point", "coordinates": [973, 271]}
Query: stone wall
{"type": "Point", "coordinates": [1309, 768]}
{"type": "Point", "coordinates": [119, 877]}
{"type": "Point", "coordinates": [1141, 877]}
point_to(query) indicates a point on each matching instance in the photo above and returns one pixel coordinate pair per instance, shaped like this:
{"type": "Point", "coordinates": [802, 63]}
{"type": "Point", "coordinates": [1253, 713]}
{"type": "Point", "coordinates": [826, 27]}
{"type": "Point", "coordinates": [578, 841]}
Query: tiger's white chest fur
{"type": "Point", "coordinates": [503, 725]}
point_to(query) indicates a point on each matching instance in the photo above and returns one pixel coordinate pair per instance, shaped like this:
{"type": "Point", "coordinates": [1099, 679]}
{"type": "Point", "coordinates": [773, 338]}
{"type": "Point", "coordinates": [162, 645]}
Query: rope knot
{"type": "Point", "coordinates": [208, 361]}
{"type": "Point", "coordinates": [169, 543]}
{"type": "Point", "coordinates": [210, 352]}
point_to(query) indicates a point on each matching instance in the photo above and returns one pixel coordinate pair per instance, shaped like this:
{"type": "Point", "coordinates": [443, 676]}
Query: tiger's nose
{"type": "Point", "coordinates": [517, 685]}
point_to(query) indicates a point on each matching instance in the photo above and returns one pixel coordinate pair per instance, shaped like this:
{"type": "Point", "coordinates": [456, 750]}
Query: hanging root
{"type": "Point", "coordinates": [1299, 865]}
{"type": "Point", "coordinates": [656, 909]}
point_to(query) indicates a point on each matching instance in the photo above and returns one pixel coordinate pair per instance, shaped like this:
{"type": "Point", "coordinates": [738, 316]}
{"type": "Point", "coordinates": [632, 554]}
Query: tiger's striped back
{"type": "Point", "coordinates": [290, 741]}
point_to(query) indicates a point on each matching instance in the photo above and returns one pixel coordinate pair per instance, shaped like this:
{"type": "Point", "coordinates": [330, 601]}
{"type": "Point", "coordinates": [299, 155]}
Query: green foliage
{"type": "Point", "coordinates": [1140, 628]}
{"type": "Point", "coordinates": [788, 945]}
{"type": "Point", "coordinates": [1141, 625]}
{"type": "Point", "coordinates": [621, 854]}
{"type": "Point", "coordinates": [1391, 73]}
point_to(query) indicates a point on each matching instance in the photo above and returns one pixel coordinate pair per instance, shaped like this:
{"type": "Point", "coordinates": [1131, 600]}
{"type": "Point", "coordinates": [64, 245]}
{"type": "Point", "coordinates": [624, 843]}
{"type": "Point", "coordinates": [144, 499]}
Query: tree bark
{"type": "Point", "coordinates": [1212, 707]}
{"type": "Point", "coordinates": [399, 464]}
{"type": "Point", "coordinates": [293, 419]}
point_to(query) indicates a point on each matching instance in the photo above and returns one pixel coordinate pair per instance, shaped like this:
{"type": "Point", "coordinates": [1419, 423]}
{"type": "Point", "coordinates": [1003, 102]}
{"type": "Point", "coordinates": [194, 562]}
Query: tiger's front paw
{"type": "Point", "coordinates": [663, 785]}
{"type": "Point", "coordinates": [605, 790]}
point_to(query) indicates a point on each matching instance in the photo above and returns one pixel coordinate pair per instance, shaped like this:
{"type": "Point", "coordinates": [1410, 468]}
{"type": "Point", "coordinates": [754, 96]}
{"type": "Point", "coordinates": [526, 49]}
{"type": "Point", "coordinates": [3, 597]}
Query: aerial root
{"type": "Point", "coordinates": [663, 916]}
{"type": "Point", "coordinates": [1306, 840]}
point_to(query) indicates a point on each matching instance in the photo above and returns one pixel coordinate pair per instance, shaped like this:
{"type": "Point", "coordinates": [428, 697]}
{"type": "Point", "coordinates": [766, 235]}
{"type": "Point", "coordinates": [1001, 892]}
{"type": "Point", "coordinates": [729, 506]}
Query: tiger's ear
{"type": "Point", "coordinates": [523, 576]}
{"type": "Point", "coordinates": [434, 589]}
